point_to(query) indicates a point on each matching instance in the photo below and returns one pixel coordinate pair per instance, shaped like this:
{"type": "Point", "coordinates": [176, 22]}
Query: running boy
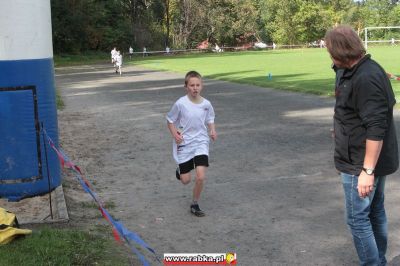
{"type": "Point", "coordinates": [113, 54]}
{"type": "Point", "coordinates": [118, 63]}
{"type": "Point", "coordinates": [187, 121]}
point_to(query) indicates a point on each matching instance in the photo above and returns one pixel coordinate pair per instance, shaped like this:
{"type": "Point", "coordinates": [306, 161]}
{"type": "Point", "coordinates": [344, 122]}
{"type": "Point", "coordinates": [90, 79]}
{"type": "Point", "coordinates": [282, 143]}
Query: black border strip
{"type": "Point", "coordinates": [37, 127]}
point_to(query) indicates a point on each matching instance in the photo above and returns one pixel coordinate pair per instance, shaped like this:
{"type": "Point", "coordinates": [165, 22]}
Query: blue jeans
{"type": "Point", "coordinates": [366, 218]}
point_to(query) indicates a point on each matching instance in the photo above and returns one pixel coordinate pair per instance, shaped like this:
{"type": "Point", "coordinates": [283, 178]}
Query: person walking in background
{"type": "Point", "coordinates": [365, 140]}
{"type": "Point", "coordinates": [322, 43]}
{"type": "Point", "coordinates": [113, 54]}
{"type": "Point", "coordinates": [189, 120]}
{"type": "Point", "coordinates": [118, 63]}
{"type": "Point", "coordinates": [130, 52]}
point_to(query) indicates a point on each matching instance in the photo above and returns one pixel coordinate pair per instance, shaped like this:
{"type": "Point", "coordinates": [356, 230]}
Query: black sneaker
{"type": "Point", "coordinates": [195, 209]}
{"type": "Point", "coordinates": [177, 174]}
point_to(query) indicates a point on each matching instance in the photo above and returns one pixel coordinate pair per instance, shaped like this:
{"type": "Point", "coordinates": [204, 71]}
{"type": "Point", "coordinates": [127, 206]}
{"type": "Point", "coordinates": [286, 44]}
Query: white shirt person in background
{"type": "Point", "coordinates": [118, 63]}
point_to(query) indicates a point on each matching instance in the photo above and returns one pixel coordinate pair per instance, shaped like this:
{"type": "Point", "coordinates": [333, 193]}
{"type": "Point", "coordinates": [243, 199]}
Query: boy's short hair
{"type": "Point", "coordinates": [191, 74]}
{"type": "Point", "coordinates": [344, 44]}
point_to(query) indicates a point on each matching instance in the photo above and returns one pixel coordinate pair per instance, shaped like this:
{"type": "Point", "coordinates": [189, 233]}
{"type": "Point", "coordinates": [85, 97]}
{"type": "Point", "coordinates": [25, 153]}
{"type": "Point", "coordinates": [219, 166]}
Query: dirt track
{"type": "Point", "coordinates": [272, 194]}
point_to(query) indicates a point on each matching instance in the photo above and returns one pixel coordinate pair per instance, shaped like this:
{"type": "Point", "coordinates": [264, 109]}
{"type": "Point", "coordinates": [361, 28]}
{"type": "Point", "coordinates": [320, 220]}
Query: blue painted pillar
{"type": "Point", "coordinates": [27, 99]}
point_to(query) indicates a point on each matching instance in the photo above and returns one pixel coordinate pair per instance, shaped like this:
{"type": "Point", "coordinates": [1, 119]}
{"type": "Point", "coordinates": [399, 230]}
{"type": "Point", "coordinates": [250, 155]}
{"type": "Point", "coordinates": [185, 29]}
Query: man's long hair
{"type": "Point", "coordinates": [344, 45]}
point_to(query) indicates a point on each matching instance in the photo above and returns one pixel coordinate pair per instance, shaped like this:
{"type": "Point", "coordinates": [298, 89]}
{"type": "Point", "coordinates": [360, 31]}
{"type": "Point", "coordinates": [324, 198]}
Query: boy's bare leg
{"type": "Point", "coordinates": [185, 178]}
{"type": "Point", "coordinates": [198, 187]}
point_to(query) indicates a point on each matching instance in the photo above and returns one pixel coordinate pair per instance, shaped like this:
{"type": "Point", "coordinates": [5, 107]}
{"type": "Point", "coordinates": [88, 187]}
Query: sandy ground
{"type": "Point", "coordinates": [272, 194]}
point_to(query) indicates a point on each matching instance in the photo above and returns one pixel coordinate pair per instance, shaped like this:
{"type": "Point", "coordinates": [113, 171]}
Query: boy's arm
{"type": "Point", "coordinates": [213, 132]}
{"type": "Point", "coordinates": [175, 133]}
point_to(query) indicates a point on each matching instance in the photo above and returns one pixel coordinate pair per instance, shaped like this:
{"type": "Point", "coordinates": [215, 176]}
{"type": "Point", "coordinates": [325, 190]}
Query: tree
{"type": "Point", "coordinates": [82, 25]}
{"type": "Point", "coordinates": [311, 22]}
{"type": "Point", "coordinates": [167, 22]}
{"type": "Point", "coordinates": [279, 21]}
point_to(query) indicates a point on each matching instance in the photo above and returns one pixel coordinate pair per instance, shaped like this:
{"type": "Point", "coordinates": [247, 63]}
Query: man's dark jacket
{"type": "Point", "coordinates": [364, 110]}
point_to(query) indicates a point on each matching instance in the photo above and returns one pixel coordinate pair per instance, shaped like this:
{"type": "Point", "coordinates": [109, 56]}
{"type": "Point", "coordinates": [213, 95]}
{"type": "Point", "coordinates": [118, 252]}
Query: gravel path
{"type": "Point", "coordinates": [272, 194]}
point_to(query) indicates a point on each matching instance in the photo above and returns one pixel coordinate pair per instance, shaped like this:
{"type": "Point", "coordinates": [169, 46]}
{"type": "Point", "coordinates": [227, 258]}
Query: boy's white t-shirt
{"type": "Point", "coordinates": [119, 60]}
{"type": "Point", "coordinates": [191, 120]}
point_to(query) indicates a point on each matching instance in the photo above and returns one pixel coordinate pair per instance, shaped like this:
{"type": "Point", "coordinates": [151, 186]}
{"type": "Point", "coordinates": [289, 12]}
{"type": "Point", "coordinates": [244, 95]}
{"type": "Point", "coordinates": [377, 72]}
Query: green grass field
{"type": "Point", "coordinates": [52, 246]}
{"type": "Point", "coordinates": [303, 70]}
{"type": "Point", "coordinates": [89, 58]}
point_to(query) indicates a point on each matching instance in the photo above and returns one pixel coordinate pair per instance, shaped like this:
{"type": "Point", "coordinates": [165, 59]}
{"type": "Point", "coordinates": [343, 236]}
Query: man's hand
{"type": "Point", "coordinates": [365, 184]}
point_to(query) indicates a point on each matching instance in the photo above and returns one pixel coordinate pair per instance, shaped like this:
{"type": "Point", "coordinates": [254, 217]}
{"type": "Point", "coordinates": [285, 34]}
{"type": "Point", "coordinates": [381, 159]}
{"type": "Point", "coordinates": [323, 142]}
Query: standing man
{"type": "Point", "coordinates": [365, 140]}
{"type": "Point", "coordinates": [130, 52]}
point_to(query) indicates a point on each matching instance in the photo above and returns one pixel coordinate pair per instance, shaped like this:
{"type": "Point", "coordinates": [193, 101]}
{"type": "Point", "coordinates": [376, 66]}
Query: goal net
{"type": "Point", "coordinates": [389, 35]}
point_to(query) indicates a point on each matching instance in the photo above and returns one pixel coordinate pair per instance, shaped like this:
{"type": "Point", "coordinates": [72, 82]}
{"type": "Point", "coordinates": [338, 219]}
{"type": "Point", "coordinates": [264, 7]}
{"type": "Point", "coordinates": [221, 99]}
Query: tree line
{"type": "Point", "coordinates": [98, 25]}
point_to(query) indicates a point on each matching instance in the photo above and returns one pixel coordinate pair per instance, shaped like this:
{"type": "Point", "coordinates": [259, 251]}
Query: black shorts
{"type": "Point", "coordinates": [199, 160]}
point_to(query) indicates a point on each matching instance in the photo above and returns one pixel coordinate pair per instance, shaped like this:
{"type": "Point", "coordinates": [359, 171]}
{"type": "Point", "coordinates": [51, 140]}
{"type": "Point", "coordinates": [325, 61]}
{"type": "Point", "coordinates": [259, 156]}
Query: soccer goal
{"type": "Point", "coordinates": [381, 35]}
